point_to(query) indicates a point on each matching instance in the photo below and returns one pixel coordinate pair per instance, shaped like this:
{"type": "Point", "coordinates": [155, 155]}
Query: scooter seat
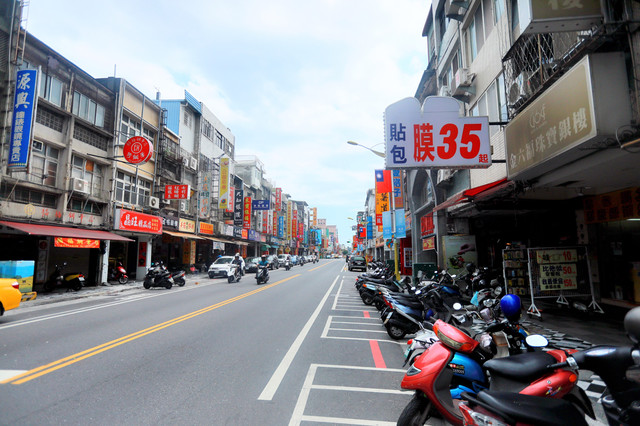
{"type": "Point", "coordinates": [535, 410]}
{"type": "Point", "coordinates": [521, 367]}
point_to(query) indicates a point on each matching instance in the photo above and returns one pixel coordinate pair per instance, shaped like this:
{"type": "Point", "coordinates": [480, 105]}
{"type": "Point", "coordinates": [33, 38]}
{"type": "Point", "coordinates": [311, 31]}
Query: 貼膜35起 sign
{"type": "Point", "coordinates": [435, 136]}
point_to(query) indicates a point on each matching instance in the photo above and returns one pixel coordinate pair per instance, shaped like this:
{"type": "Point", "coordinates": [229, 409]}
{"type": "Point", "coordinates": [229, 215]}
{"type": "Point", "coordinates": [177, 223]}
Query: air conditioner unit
{"type": "Point", "coordinates": [444, 91]}
{"type": "Point", "coordinates": [520, 89]}
{"type": "Point", "coordinates": [184, 206]}
{"type": "Point", "coordinates": [154, 202]}
{"type": "Point", "coordinates": [185, 161]}
{"type": "Point", "coordinates": [193, 163]}
{"type": "Point", "coordinates": [81, 186]}
{"type": "Point", "coordinates": [464, 78]}
{"type": "Point", "coordinates": [165, 201]}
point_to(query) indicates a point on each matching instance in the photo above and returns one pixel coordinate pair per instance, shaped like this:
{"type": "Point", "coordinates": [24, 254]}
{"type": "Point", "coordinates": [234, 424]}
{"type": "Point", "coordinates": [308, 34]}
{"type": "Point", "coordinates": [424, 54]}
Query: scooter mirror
{"type": "Point", "coordinates": [537, 341]}
{"type": "Point", "coordinates": [457, 306]}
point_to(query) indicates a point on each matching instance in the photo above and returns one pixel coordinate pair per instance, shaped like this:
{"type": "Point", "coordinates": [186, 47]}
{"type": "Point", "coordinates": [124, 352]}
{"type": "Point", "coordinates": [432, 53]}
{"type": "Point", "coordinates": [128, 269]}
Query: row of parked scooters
{"type": "Point", "coordinates": [494, 373]}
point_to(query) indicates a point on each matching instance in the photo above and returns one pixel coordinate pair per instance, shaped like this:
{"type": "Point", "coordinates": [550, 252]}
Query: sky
{"type": "Point", "coordinates": [293, 80]}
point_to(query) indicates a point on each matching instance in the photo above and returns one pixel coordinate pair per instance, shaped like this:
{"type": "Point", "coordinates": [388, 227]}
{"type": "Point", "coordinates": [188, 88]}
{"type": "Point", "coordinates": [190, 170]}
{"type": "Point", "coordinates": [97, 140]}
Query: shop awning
{"type": "Point", "coordinates": [182, 235]}
{"type": "Point", "coordinates": [63, 231]}
{"type": "Point", "coordinates": [218, 240]}
{"type": "Point", "coordinates": [474, 193]}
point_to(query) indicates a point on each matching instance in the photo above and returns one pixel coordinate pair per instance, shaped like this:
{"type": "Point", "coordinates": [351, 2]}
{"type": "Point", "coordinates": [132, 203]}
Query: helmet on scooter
{"type": "Point", "coordinates": [632, 324]}
{"type": "Point", "coordinates": [511, 307]}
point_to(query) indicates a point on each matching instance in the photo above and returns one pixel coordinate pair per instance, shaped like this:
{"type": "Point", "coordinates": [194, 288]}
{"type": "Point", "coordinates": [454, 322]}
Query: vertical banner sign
{"type": "Point", "coordinates": [278, 206]}
{"type": "Point", "coordinates": [230, 203]}
{"type": "Point", "coordinates": [386, 225]}
{"type": "Point", "coordinates": [315, 216]}
{"type": "Point", "coordinates": [396, 180]}
{"type": "Point", "coordinates": [300, 231]}
{"type": "Point", "coordinates": [294, 223]}
{"type": "Point", "coordinates": [434, 136]}
{"type": "Point", "coordinates": [246, 216]}
{"type": "Point", "coordinates": [382, 205]}
{"type": "Point", "coordinates": [204, 194]}
{"type": "Point", "coordinates": [223, 194]}
{"type": "Point", "coordinates": [238, 207]}
{"type": "Point", "coordinates": [401, 228]}
{"type": "Point", "coordinates": [21, 123]}
{"type": "Point", "coordinates": [369, 227]}
{"type": "Point", "coordinates": [281, 226]}
{"type": "Point", "coordinates": [265, 221]}
{"type": "Point", "coordinates": [289, 215]}
{"type": "Point", "coordinates": [274, 229]}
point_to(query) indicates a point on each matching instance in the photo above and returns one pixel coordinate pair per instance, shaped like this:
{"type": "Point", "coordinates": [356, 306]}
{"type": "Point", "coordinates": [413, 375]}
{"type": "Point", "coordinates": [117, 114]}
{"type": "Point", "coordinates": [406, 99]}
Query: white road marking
{"type": "Point", "coordinates": [273, 384]}
{"type": "Point", "coordinates": [7, 374]}
{"type": "Point", "coordinates": [298, 412]}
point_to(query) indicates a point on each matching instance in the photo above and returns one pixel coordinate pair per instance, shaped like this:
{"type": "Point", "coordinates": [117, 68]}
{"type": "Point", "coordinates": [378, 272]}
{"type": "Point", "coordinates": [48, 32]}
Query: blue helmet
{"type": "Point", "coordinates": [511, 307]}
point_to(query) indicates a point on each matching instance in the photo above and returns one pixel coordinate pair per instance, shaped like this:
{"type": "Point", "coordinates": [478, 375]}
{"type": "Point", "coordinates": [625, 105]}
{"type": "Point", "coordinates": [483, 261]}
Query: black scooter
{"type": "Point", "coordinates": [158, 276]}
{"type": "Point", "coordinates": [71, 280]}
{"type": "Point", "coordinates": [262, 275]}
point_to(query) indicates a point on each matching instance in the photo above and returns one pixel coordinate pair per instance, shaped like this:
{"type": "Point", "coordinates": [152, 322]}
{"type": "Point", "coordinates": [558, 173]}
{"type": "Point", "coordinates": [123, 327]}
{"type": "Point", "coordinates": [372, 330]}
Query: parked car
{"type": "Point", "coordinates": [221, 267]}
{"type": "Point", "coordinates": [282, 258]}
{"type": "Point", "coordinates": [357, 262]}
{"type": "Point", "coordinates": [251, 264]}
{"type": "Point", "coordinates": [10, 295]}
{"type": "Point", "coordinates": [273, 262]}
{"type": "Point", "coordinates": [294, 260]}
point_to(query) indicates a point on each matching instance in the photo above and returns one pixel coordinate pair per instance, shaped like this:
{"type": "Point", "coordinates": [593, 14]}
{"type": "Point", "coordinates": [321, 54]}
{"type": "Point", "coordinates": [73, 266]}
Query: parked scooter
{"type": "Point", "coordinates": [178, 277]}
{"type": "Point", "coordinates": [234, 275]}
{"type": "Point", "coordinates": [158, 276]}
{"type": "Point", "coordinates": [618, 366]}
{"type": "Point", "coordinates": [262, 275]}
{"type": "Point", "coordinates": [119, 274]}
{"type": "Point", "coordinates": [71, 280]}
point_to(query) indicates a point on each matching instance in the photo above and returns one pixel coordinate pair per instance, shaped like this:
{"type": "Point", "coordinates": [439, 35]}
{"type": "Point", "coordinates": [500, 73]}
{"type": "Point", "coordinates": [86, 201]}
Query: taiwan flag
{"type": "Point", "coordinates": [383, 181]}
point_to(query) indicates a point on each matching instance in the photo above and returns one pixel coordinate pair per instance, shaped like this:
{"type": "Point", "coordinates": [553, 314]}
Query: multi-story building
{"type": "Point", "coordinates": [558, 82]}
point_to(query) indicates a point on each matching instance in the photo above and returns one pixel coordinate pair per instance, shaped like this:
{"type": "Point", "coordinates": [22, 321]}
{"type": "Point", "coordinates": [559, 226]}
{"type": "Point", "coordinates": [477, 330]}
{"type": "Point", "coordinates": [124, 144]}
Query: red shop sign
{"type": "Point", "coordinates": [127, 220]}
{"type": "Point", "coordinates": [137, 150]}
{"type": "Point", "coordinates": [426, 225]}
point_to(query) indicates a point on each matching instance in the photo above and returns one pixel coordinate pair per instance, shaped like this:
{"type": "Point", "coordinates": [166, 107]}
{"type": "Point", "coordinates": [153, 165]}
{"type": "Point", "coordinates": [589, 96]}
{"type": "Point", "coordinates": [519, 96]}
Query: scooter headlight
{"type": "Point", "coordinates": [412, 371]}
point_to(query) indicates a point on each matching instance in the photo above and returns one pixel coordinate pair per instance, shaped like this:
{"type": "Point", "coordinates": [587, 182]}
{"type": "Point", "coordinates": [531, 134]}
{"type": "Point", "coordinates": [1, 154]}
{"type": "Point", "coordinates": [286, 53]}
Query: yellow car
{"type": "Point", "coordinates": [10, 295]}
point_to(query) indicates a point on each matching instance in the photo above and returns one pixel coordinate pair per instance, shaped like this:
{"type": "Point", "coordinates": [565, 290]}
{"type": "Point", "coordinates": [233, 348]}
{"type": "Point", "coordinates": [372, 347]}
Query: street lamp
{"type": "Point", "coordinates": [378, 153]}
{"type": "Point", "coordinates": [393, 212]}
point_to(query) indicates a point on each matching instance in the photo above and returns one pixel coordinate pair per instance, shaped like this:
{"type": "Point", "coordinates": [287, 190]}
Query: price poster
{"type": "Point", "coordinates": [558, 269]}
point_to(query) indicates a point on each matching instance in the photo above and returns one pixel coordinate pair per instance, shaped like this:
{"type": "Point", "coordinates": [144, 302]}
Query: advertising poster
{"type": "Point", "coordinates": [458, 251]}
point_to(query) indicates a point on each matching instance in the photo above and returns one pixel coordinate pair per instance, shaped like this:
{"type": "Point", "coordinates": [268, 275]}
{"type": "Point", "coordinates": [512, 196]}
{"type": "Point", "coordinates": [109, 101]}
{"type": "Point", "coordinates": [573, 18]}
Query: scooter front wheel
{"type": "Point", "coordinates": [395, 332]}
{"type": "Point", "coordinates": [123, 280]}
{"type": "Point", "coordinates": [417, 412]}
{"type": "Point", "coordinates": [180, 283]}
{"type": "Point", "coordinates": [230, 279]}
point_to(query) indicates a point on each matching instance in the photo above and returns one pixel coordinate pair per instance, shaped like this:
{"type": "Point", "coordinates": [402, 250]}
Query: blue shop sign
{"type": "Point", "coordinates": [260, 204]}
{"type": "Point", "coordinates": [23, 107]}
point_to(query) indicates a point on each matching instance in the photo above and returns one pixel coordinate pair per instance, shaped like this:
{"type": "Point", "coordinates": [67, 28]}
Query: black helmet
{"type": "Point", "coordinates": [264, 256]}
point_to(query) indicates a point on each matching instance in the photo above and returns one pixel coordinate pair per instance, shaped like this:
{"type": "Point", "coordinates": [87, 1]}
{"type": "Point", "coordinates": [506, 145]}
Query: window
{"type": "Point", "coordinates": [127, 193]}
{"type": "Point", "coordinates": [515, 17]}
{"type": "Point", "coordinates": [49, 118]}
{"type": "Point", "coordinates": [88, 170]}
{"type": "Point", "coordinates": [493, 104]}
{"type": "Point", "coordinates": [187, 119]}
{"type": "Point", "coordinates": [28, 196]}
{"type": "Point", "coordinates": [128, 128]}
{"type": "Point", "coordinates": [51, 89]}
{"type": "Point", "coordinates": [476, 33]}
{"type": "Point", "coordinates": [87, 109]}
{"type": "Point", "coordinates": [43, 166]}
{"type": "Point", "coordinates": [488, 19]}
{"type": "Point", "coordinates": [84, 206]}
{"type": "Point", "coordinates": [150, 135]}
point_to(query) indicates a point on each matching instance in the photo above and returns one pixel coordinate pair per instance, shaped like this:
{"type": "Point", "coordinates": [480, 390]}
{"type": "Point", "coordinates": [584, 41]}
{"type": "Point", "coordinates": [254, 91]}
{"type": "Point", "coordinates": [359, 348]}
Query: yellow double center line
{"type": "Point", "coordinates": [71, 359]}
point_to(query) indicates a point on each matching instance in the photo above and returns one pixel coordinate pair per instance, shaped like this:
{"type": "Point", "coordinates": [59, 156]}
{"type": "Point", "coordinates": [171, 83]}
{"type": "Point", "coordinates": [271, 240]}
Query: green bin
{"type": "Point", "coordinates": [428, 269]}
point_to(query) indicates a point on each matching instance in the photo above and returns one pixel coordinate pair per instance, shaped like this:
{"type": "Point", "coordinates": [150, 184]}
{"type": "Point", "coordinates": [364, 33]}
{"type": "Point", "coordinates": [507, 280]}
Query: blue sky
{"type": "Point", "coordinates": [293, 80]}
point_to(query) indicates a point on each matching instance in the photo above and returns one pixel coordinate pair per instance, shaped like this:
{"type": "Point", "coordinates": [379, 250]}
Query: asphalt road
{"type": "Point", "coordinates": [300, 349]}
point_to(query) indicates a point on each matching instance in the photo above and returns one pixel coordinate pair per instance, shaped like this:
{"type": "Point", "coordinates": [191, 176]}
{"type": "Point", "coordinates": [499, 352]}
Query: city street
{"type": "Point", "coordinates": [299, 349]}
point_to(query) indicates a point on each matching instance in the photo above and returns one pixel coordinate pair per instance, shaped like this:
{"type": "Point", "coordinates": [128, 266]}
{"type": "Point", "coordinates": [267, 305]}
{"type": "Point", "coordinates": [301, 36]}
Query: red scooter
{"type": "Point", "coordinates": [457, 361]}
{"type": "Point", "coordinates": [120, 274]}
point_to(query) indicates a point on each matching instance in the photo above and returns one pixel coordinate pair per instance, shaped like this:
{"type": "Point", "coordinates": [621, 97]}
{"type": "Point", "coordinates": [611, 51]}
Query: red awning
{"type": "Point", "coordinates": [458, 198]}
{"type": "Point", "coordinates": [479, 189]}
{"type": "Point", "coordinates": [63, 231]}
{"type": "Point", "coordinates": [473, 193]}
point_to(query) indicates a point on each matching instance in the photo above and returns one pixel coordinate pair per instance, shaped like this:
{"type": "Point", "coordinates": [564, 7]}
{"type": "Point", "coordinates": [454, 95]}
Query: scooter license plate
{"type": "Point", "coordinates": [81, 279]}
{"type": "Point", "coordinates": [388, 317]}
